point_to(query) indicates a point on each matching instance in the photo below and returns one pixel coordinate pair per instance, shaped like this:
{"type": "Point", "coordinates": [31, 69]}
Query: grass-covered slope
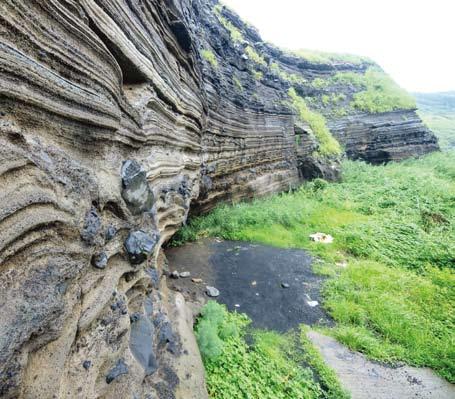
{"type": "Point", "coordinates": [395, 227]}
{"type": "Point", "coordinates": [438, 112]}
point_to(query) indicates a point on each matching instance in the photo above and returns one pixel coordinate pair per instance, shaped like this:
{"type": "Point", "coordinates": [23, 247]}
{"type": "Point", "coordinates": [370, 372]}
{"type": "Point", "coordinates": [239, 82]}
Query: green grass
{"type": "Point", "coordinates": [382, 94]}
{"type": "Point", "coordinates": [210, 57]}
{"type": "Point", "coordinates": [255, 56]}
{"type": "Point", "coordinates": [395, 227]}
{"type": "Point", "coordinates": [320, 57]}
{"type": "Point", "coordinates": [328, 145]}
{"type": "Point", "coordinates": [258, 75]}
{"type": "Point", "coordinates": [376, 91]}
{"type": "Point", "coordinates": [235, 33]}
{"type": "Point", "coordinates": [273, 366]}
{"type": "Point", "coordinates": [288, 77]}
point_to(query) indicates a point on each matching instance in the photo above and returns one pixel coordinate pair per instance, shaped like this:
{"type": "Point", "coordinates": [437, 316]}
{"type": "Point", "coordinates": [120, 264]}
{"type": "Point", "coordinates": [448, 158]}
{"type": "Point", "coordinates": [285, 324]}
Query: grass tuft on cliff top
{"type": "Point", "coordinates": [328, 145]}
{"type": "Point", "coordinates": [379, 92]}
{"type": "Point", "coordinates": [321, 57]}
{"type": "Point", "coordinates": [394, 225]}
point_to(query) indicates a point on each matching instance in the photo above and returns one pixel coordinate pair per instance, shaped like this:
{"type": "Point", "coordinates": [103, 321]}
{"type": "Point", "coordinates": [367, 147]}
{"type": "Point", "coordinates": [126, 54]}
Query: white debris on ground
{"type": "Point", "coordinates": [310, 302]}
{"type": "Point", "coordinates": [342, 264]}
{"type": "Point", "coordinates": [322, 238]}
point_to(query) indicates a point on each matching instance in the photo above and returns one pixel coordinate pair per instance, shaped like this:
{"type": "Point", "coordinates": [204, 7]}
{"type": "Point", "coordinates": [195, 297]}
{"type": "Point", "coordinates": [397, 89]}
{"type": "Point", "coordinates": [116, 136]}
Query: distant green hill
{"type": "Point", "coordinates": [438, 112]}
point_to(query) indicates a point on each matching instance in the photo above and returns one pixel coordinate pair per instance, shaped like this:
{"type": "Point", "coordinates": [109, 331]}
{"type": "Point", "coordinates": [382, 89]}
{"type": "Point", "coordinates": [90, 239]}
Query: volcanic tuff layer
{"type": "Point", "coordinates": [117, 118]}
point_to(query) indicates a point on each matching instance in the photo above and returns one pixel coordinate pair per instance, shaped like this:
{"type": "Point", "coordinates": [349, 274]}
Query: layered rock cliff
{"type": "Point", "coordinates": [118, 118]}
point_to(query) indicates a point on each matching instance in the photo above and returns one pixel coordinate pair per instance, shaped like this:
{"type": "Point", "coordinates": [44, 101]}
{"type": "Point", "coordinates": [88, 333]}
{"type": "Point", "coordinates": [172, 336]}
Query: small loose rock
{"type": "Point", "coordinates": [212, 292]}
{"type": "Point", "coordinates": [196, 280]}
{"type": "Point", "coordinates": [185, 274]}
{"type": "Point", "coordinates": [285, 285]}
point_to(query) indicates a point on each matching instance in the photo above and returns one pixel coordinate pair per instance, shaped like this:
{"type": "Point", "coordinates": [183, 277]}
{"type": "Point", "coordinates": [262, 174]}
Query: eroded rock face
{"type": "Point", "coordinates": [113, 123]}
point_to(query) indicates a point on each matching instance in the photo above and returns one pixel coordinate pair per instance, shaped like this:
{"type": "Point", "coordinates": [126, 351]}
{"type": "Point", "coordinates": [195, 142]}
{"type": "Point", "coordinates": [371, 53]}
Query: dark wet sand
{"type": "Point", "coordinates": [250, 277]}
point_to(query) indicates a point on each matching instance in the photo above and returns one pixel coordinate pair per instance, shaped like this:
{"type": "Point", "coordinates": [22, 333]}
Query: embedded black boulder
{"type": "Point", "coordinates": [135, 188]}
{"type": "Point", "coordinates": [141, 343]}
{"type": "Point", "coordinates": [139, 245]}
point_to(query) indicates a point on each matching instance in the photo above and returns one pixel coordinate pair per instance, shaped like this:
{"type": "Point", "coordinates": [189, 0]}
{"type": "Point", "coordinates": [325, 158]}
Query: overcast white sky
{"type": "Point", "coordinates": [413, 40]}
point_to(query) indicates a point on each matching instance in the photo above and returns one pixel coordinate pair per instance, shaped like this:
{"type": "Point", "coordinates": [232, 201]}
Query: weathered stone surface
{"type": "Point", "coordinates": [139, 245]}
{"type": "Point", "coordinates": [86, 85]}
{"type": "Point", "coordinates": [136, 191]}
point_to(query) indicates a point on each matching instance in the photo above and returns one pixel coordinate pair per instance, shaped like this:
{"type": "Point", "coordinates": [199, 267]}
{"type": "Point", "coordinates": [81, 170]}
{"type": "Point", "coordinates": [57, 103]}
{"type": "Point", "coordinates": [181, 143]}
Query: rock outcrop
{"type": "Point", "coordinates": [118, 117]}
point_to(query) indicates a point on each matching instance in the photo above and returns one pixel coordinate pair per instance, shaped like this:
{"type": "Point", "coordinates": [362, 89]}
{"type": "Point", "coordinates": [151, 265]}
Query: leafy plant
{"type": "Point", "coordinates": [328, 145]}
{"type": "Point", "coordinates": [268, 368]}
{"type": "Point", "coordinates": [210, 57]}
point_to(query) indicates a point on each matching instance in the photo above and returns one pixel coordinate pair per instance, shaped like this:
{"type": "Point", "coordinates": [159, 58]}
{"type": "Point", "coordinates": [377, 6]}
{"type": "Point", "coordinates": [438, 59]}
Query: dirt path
{"type": "Point", "coordinates": [370, 380]}
{"type": "Point", "coordinates": [252, 279]}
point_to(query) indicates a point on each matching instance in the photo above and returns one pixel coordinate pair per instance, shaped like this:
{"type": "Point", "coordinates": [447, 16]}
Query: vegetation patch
{"type": "Point", "coordinates": [438, 112]}
{"type": "Point", "coordinates": [328, 145]}
{"type": "Point", "coordinates": [236, 34]}
{"type": "Point", "coordinates": [288, 77]}
{"type": "Point", "coordinates": [258, 75]}
{"type": "Point", "coordinates": [210, 57]}
{"type": "Point", "coordinates": [394, 227]}
{"type": "Point", "coordinates": [255, 56]}
{"type": "Point", "coordinates": [320, 57]}
{"type": "Point", "coordinates": [237, 83]}
{"type": "Point", "coordinates": [381, 94]}
{"type": "Point", "coordinates": [270, 367]}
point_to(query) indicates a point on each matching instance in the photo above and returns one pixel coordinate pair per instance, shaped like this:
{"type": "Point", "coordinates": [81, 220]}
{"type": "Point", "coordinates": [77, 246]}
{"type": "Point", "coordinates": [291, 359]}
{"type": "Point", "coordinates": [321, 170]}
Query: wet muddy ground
{"type": "Point", "coordinates": [275, 287]}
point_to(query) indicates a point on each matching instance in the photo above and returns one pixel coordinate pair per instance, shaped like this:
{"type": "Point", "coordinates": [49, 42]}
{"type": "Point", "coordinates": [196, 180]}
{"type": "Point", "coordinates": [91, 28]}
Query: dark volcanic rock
{"type": "Point", "coordinates": [140, 245]}
{"type": "Point", "coordinates": [110, 233]}
{"type": "Point", "coordinates": [141, 343]}
{"type": "Point", "coordinates": [136, 191]}
{"type": "Point", "coordinates": [119, 369]}
{"type": "Point", "coordinates": [99, 260]}
{"type": "Point", "coordinates": [92, 225]}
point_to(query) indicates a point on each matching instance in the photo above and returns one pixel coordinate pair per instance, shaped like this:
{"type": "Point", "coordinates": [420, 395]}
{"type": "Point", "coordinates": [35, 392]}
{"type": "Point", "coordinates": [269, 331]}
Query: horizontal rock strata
{"type": "Point", "coordinates": [114, 125]}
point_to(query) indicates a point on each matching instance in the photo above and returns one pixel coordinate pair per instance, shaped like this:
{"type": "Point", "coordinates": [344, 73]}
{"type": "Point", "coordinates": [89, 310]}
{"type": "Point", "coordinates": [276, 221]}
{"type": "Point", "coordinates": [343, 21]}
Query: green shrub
{"type": "Point", "coordinates": [319, 83]}
{"type": "Point", "coordinates": [235, 33]}
{"type": "Point", "coordinates": [209, 56]}
{"type": "Point", "coordinates": [255, 56]}
{"type": "Point", "coordinates": [258, 75]}
{"type": "Point", "coordinates": [328, 145]}
{"type": "Point", "coordinates": [214, 327]}
{"type": "Point", "coordinates": [265, 369]}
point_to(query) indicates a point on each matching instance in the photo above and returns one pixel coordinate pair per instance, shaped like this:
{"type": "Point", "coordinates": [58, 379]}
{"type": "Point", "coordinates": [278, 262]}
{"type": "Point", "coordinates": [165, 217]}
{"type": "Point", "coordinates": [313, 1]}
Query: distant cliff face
{"type": "Point", "coordinates": [118, 118]}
